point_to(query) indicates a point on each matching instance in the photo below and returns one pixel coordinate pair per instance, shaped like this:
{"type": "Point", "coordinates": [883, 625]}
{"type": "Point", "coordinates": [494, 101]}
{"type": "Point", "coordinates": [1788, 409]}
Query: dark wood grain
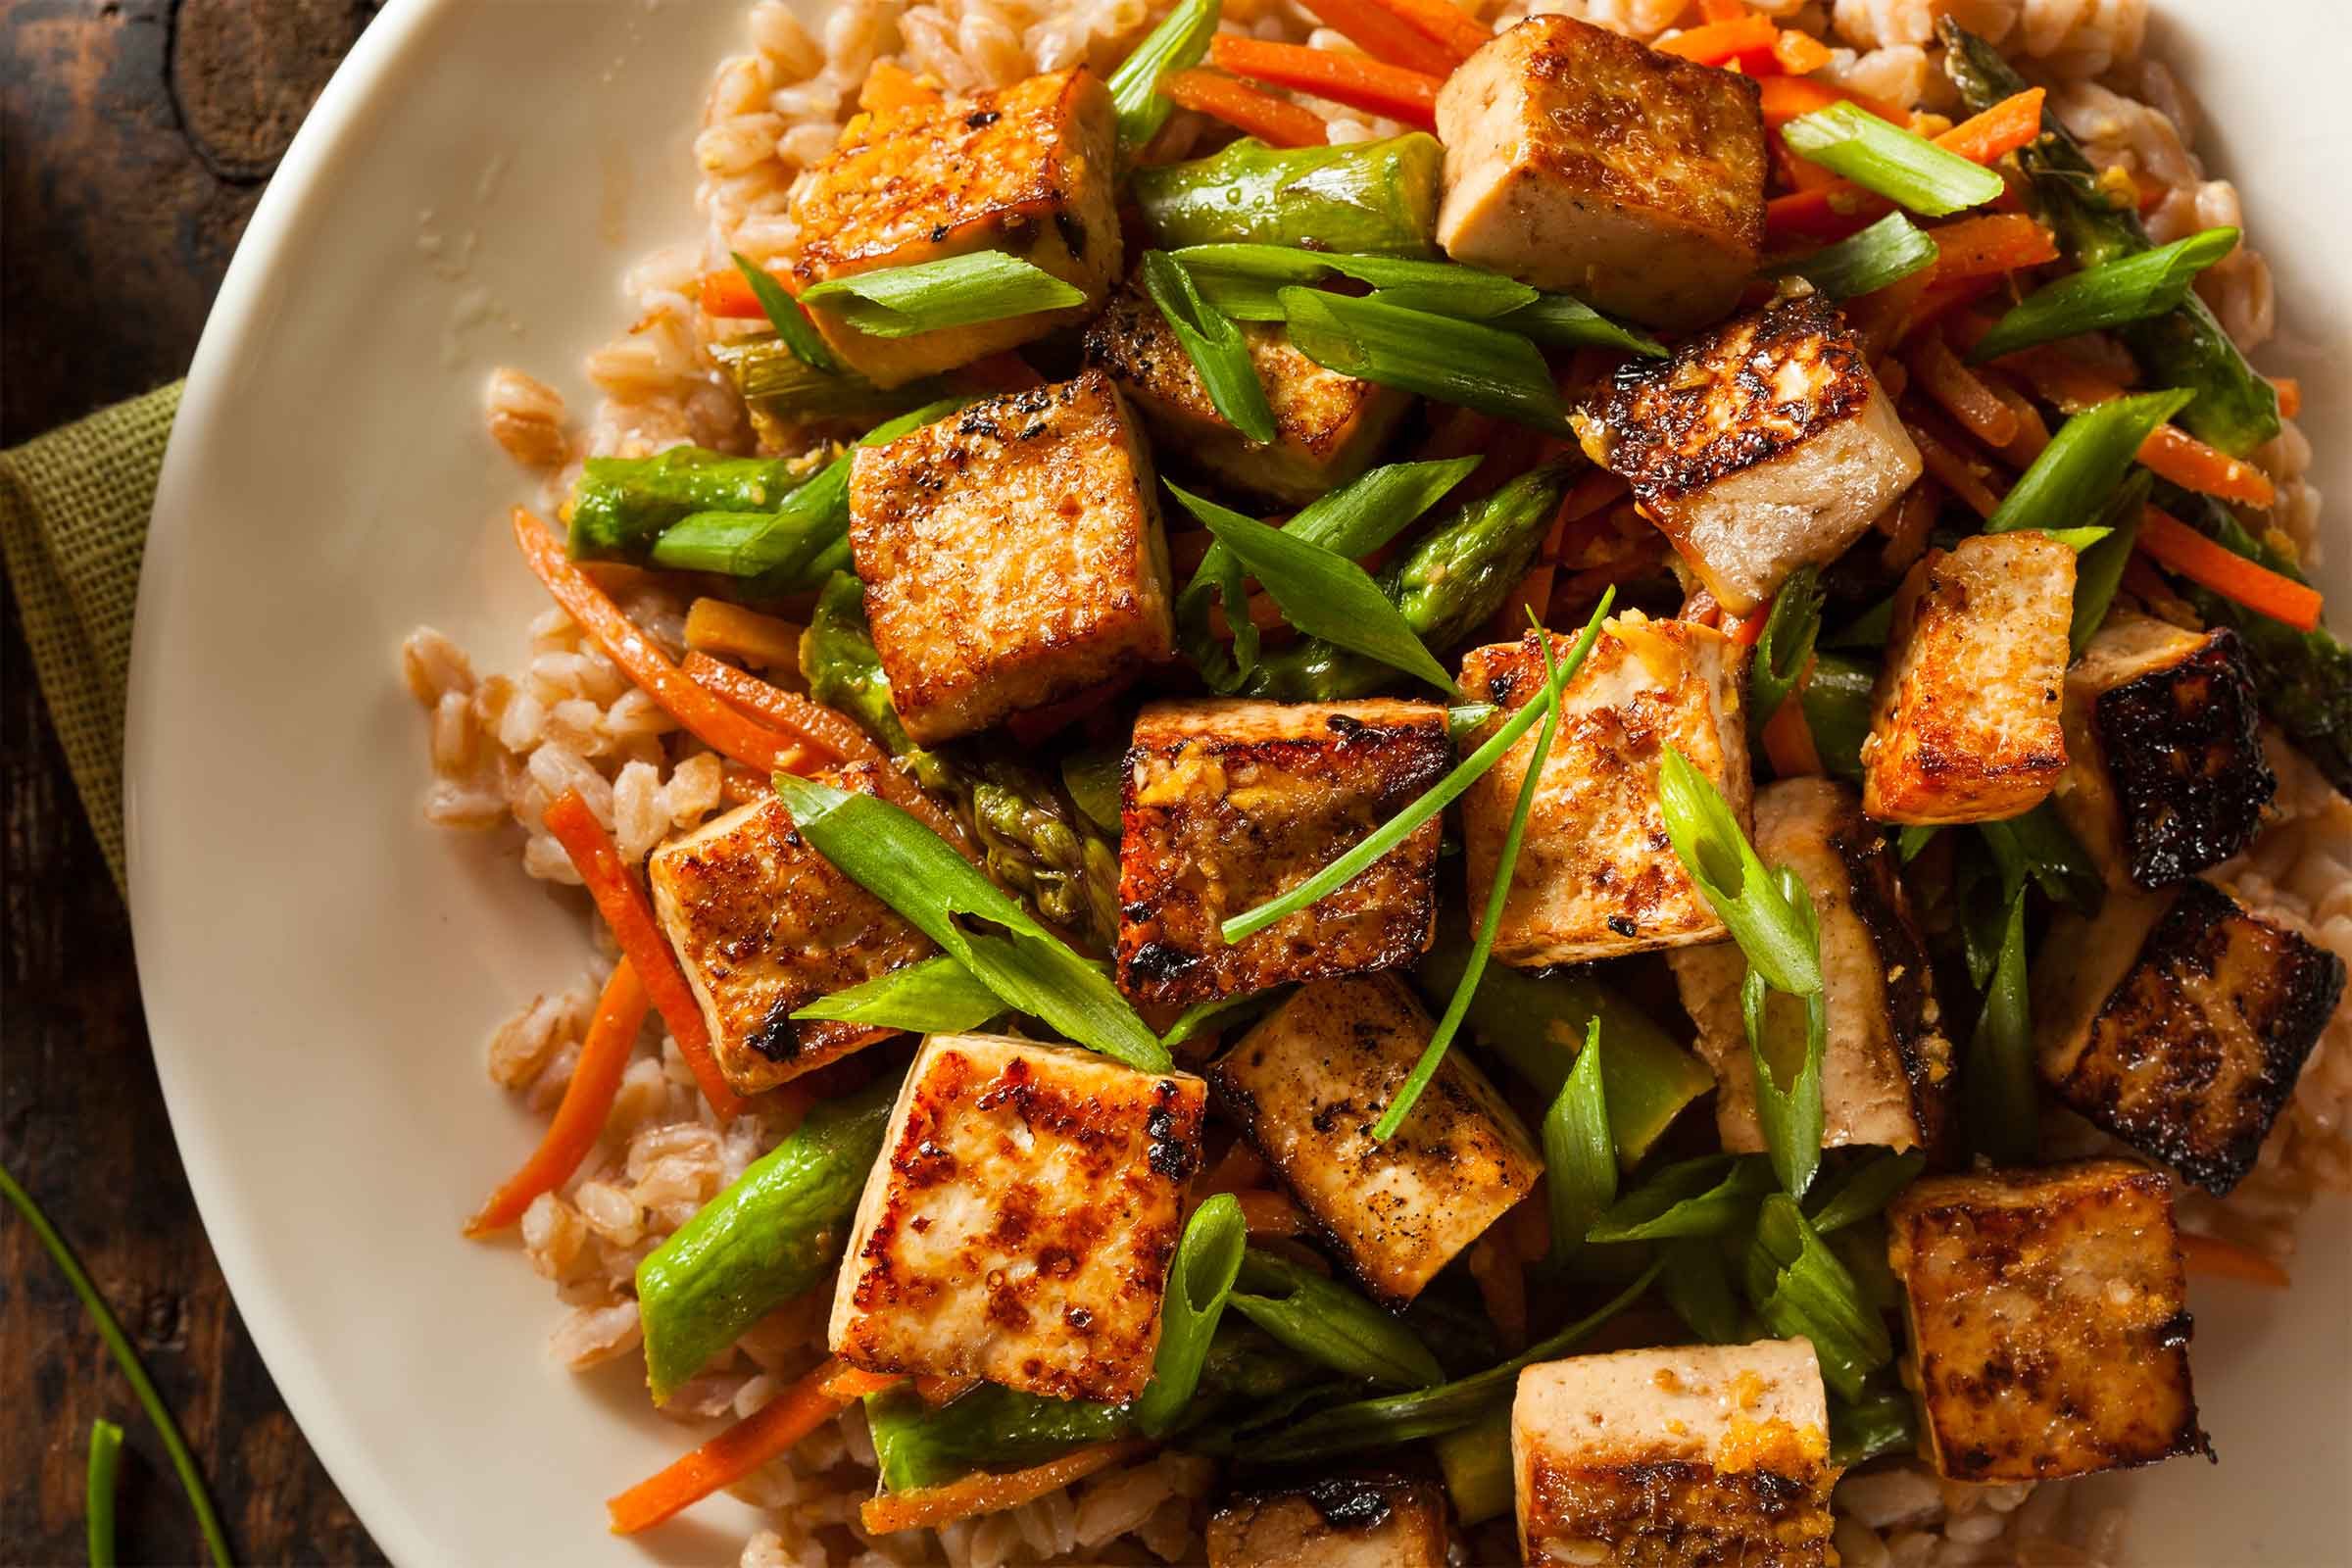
{"type": "Point", "coordinates": [134, 139]}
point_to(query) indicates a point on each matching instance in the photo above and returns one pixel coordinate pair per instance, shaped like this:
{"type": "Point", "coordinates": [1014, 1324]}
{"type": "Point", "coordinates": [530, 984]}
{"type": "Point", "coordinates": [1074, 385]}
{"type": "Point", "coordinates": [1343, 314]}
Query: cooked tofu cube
{"type": "Point", "coordinates": [1965, 726]}
{"type": "Point", "coordinates": [1596, 877]}
{"type": "Point", "coordinates": [1762, 446]}
{"type": "Point", "coordinates": [1581, 162]}
{"type": "Point", "coordinates": [2178, 1021]}
{"type": "Point", "coordinates": [1228, 803]}
{"type": "Point", "coordinates": [1887, 1073]}
{"type": "Point", "coordinates": [1012, 556]}
{"type": "Point", "coordinates": [1307, 1084]}
{"type": "Point", "coordinates": [1695, 1453]}
{"type": "Point", "coordinates": [2165, 775]}
{"type": "Point", "coordinates": [762, 925]}
{"type": "Point", "coordinates": [1019, 1224]}
{"type": "Point", "coordinates": [2048, 1332]}
{"type": "Point", "coordinates": [1345, 1522]}
{"type": "Point", "coordinates": [1327, 427]}
{"type": "Point", "coordinates": [1026, 170]}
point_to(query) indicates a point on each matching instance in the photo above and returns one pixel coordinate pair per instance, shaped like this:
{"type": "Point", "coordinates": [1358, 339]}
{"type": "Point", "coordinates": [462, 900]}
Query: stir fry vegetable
{"type": "Point", "coordinates": [1374, 198]}
{"type": "Point", "coordinates": [622, 505]}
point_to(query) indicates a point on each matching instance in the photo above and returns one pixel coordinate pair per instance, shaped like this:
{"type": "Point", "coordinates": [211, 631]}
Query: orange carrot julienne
{"type": "Point", "coordinates": [2226, 1259]}
{"type": "Point", "coordinates": [1270, 1213]}
{"type": "Point", "coordinates": [1383, 34]}
{"type": "Point", "coordinates": [728, 295]}
{"type": "Point", "coordinates": [1994, 242]}
{"type": "Point", "coordinates": [2176, 546]}
{"type": "Point", "coordinates": [1824, 212]}
{"type": "Point", "coordinates": [1833, 211]}
{"type": "Point", "coordinates": [1701, 610]}
{"type": "Point", "coordinates": [1998, 132]}
{"type": "Point", "coordinates": [2176, 455]}
{"type": "Point", "coordinates": [992, 1492]}
{"type": "Point", "coordinates": [1787, 97]}
{"type": "Point", "coordinates": [1800, 54]}
{"type": "Point", "coordinates": [1789, 737]}
{"type": "Point", "coordinates": [1711, 43]}
{"type": "Point", "coordinates": [855, 1383]}
{"type": "Point", "coordinates": [1276, 122]}
{"type": "Point", "coordinates": [1239, 1170]}
{"type": "Point", "coordinates": [765, 1434]}
{"type": "Point", "coordinates": [1958, 472]}
{"type": "Point", "coordinates": [804, 717]}
{"type": "Point", "coordinates": [1722, 9]}
{"type": "Point", "coordinates": [630, 914]}
{"type": "Point", "coordinates": [2290, 394]}
{"type": "Point", "coordinates": [1368, 85]}
{"type": "Point", "coordinates": [1442, 22]}
{"type": "Point", "coordinates": [1961, 393]}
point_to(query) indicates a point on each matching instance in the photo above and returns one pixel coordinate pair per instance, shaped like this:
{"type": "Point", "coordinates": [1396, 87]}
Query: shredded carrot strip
{"type": "Point", "coordinates": [1835, 211]}
{"type": "Point", "coordinates": [1908, 523]}
{"type": "Point", "coordinates": [1410, 96]}
{"type": "Point", "coordinates": [1503, 1287]}
{"type": "Point", "coordinates": [1993, 242]}
{"type": "Point", "coordinates": [1236, 1171]}
{"type": "Point", "coordinates": [1711, 43]}
{"type": "Point", "coordinates": [1701, 610]}
{"type": "Point", "coordinates": [2176, 455]}
{"type": "Point", "coordinates": [1800, 53]}
{"type": "Point", "coordinates": [939, 1391]}
{"type": "Point", "coordinates": [2223, 1259]}
{"type": "Point", "coordinates": [1787, 97]}
{"type": "Point", "coordinates": [989, 1491]}
{"type": "Point", "coordinates": [1270, 1213]}
{"type": "Point", "coordinates": [736, 1452]}
{"type": "Point", "coordinates": [1276, 122]}
{"type": "Point", "coordinates": [2290, 394]}
{"type": "Point", "coordinates": [831, 733]}
{"type": "Point", "coordinates": [1999, 131]}
{"type": "Point", "coordinates": [1593, 490]}
{"type": "Point", "coordinates": [1443, 22]}
{"type": "Point", "coordinates": [1961, 393]}
{"type": "Point", "coordinates": [1961, 474]}
{"type": "Point", "coordinates": [728, 295]}
{"type": "Point", "coordinates": [1789, 737]}
{"type": "Point", "coordinates": [1746, 630]}
{"type": "Point", "coordinates": [847, 1382]}
{"type": "Point", "coordinates": [889, 85]}
{"type": "Point", "coordinates": [625, 909]}
{"type": "Point", "coordinates": [1383, 34]}
{"type": "Point", "coordinates": [1722, 9]}
{"type": "Point", "coordinates": [2173, 544]}
{"type": "Point", "coordinates": [2032, 433]}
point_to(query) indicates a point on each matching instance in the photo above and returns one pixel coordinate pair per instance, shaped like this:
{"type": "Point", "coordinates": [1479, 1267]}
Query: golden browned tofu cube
{"type": "Point", "coordinates": [1327, 427]}
{"type": "Point", "coordinates": [1382, 1521]}
{"type": "Point", "coordinates": [1012, 555]}
{"type": "Point", "coordinates": [1965, 725]}
{"type": "Point", "coordinates": [1307, 1084]}
{"type": "Point", "coordinates": [1762, 446]}
{"type": "Point", "coordinates": [2165, 774]}
{"type": "Point", "coordinates": [1596, 877]}
{"type": "Point", "coordinates": [1026, 170]}
{"type": "Point", "coordinates": [1019, 1224]}
{"type": "Point", "coordinates": [1886, 1072]}
{"type": "Point", "coordinates": [1691, 1454]}
{"type": "Point", "coordinates": [762, 925]}
{"type": "Point", "coordinates": [2049, 1333]}
{"type": "Point", "coordinates": [2180, 1023]}
{"type": "Point", "coordinates": [1581, 162]}
{"type": "Point", "coordinates": [1228, 803]}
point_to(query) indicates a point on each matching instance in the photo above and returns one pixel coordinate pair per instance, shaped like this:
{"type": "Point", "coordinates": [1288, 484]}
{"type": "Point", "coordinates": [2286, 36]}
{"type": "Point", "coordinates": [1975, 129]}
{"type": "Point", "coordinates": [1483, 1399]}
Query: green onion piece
{"type": "Point", "coordinates": [2099, 571]}
{"type": "Point", "coordinates": [1886, 251]}
{"type": "Point", "coordinates": [1476, 1463]}
{"type": "Point", "coordinates": [1789, 1087]}
{"type": "Point", "coordinates": [1998, 1102]}
{"type": "Point", "coordinates": [1745, 897]}
{"type": "Point", "coordinates": [1869, 629]}
{"type": "Point", "coordinates": [1580, 1162]}
{"type": "Point", "coordinates": [2078, 471]}
{"type": "Point", "coordinates": [2041, 845]}
{"type": "Point", "coordinates": [1800, 1288]}
{"type": "Point", "coordinates": [1324, 1320]}
{"type": "Point", "coordinates": [785, 315]}
{"type": "Point", "coordinates": [918, 1445]}
{"type": "Point", "coordinates": [2128, 288]}
{"type": "Point", "coordinates": [1870, 1188]}
{"type": "Point", "coordinates": [1245, 281]}
{"type": "Point", "coordinates": [938, 996]}
{"type": "Point", "coordinates": [1837, 704]}
{"type": "Point", "coordinates": [1789, 632]}
{"type": "Point", "coordinates": [2078, 539]}
{"type": "Point", "coordinates": [1506, 860]}
{"type": "Point", "coordinates": [1908, 171]}
{"type": "Point", "coordinates": [933, 296]}
{"type": "Point", "coordinates": [1467, 364]}
{"type": "Point", "coordinates": [1563, 322]}
{"type": "Point", "coordinates": [1217, 346]}
{"type": "Point", "coordinates": [1710, 1195]}
{"type": "Point", "coordinates": [1914, 838]}
{"type": "Point", "coordinates": [893, 855]}
{"type": "Point", "coordinates": [1697, 1285]}
{"type": "Point", "coordinates": [191, 1479]}
{"type": "Point", "coordinates": [1189, 1023]}
{"type": "Point", "coordinates": [1463, 720]}
{"type": "Point", "coordinates": [98, 1506]}
{"type": "Point", "coordinates": [1880, 1423]}
{"type": "Point", "coordinates": [1209, 1260]}
{"type": "Point", "coordinates": [1177, 43]}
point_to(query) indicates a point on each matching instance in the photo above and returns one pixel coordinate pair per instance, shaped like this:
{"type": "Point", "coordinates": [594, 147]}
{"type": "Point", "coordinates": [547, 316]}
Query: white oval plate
{"type": "Point", "coordinates": [321, 967]}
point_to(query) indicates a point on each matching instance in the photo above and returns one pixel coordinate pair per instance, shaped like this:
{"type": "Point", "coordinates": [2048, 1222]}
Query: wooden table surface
{"type": "Point", "coordinates": [135, 137]}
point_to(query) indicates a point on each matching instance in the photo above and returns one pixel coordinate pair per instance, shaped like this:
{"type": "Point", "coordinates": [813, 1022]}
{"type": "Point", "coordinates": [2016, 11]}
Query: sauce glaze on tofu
{"type": "Point", "coordinates": [1383, 1521]}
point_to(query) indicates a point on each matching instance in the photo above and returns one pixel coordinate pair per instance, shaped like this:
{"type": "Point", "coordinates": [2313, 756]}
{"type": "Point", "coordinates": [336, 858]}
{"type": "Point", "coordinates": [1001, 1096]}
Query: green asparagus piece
{"type": "Point", "coordinates": [794, 396]}
{"type": "Point", "coordinates": [2234, 409]}
{"type": "Point", "coordinates": [992, 1427]}
{"type": "Point", "coordinates": [842, 669]}
{"type": "Point", "coordinates": [1837, 704]}
{"type": "Point", "coordinates": [1370, 198]}
{"type": "Point", "coordinates": [620, 504]}
{"type": "Point", "coordinates": [1476, 1461]}
{"type": "Point", "coordinates": [766, 1239]}
{"type": "Point", "coordinates": [1883, 1421]}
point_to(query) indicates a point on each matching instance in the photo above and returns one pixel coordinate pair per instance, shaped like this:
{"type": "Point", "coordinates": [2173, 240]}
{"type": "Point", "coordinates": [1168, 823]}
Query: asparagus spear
{"type": "Point", "coordinates": [1370, 198]}
{"type": "Point", "coordinates": [791, 398]}
{"type": "Point", "coordinates": [2235, 408]}
{"type": "Point", "coordinates": [621, 505]}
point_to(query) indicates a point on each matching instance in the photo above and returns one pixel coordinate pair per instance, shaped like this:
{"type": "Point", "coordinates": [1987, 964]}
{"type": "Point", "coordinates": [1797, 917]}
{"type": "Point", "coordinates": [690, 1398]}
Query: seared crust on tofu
{"type": "Point", "coordinates": [1597, 876]}
{"type": "Point", "coordinates": [2047, 1320]}
{"type": "Point", "coordinates": [2190, 1057]}
{"type": "Point", "coordinates": [1577, 160]}
{"type": "Point", "coordinates": [1019, 1224]}
{"type": "Point", "coordinates": [1327, 427]}
{"type": "Point", "coordinates": [1228, 803]}
{"type": "Point", "coordinates": [762, 925]}
{"type": "Point", "coordinates": [2165, 771]}
{"type": "Point", "coordinates": [1887, 1074]}
{"type": "Point", "coordinates": [1027, 169]}
{"type": "Point", "coordinates": [1378, 1521]}
{"type": "Point", "coordinates": [1762, 446]}
{"type": "Point", "coordinates": [1965, 725]}
{"type": "Point", "coordinates": [1685, 1455]}
{"type": "Point", "coordinates": [1012, 555]}
{"type": "Point", "coordinates": [1307, 1084]}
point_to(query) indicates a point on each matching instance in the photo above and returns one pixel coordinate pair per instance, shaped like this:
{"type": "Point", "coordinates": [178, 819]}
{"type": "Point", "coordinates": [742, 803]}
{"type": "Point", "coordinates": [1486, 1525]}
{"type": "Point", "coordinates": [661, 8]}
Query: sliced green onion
{"type": "Point", "coordinates": [1476, 1463]}
{"type": "Point", "coordinates": [1466, 364]}
{"type": "Point", "coordinates": [1463, 720]}
{"type": "Point", "coordinates": [2078, 471]}
{"type": "Point", "coordinates": [1327, 1322]}
{"type": "Point", "coordinates": [1880, 1423]}
{"type": "Point", "coordinates": [2099, 570]}
{"type": "Point", "coordinates": [1801, 1288]}
{"type": "Point", "coordinates": [1869, 629]}
{"type": "Point", "coordinates": [893, 855]}
{"type": "Point", "coordinates": [1245, 281]}
{"type": "Point", "coordinates": [2041, 845]}
{"type": "Point", "coordinates": [1914, 838]}
{"type": "Point", "coordinates": [1193, 1019]}
{"type": "Point", "coordinates": [938, 996]}
{"type": "Point", "coordinates": [917, 1445]}
{"type": "Point", "coordinates": [1886, 251]}
{"type": "Point", "coordinates": [1563, 322]}
{"type": "Point", "coordinates": [1908, 171]}
{"type": "Point", "coordinates": [1837, 704]}
{"type": "Point", "coordinates": [1869, 1189]}
{"type": "Point", "coordinates": [791, 323]}
{"type": "Point", "coordinates": [1998, 1102]}
{"type": "Point", "coordinates": [1786, 642]}
{"type": "Point", "coordinates": [98, 1495]}
{"type": "Point", "coordinates": [1217, 346]}
{"type": "Point", "coordinates": [1710, 1195]}
{"type": "Point", "coordinates": [1177, 43]}
{"type": "Point", "coordinates": [1209, 1260]}
{"type": "Point", "coordinates": [2078, 539]}
{"type": "Point", "coordinates": [1789, 1091]}
{"type": "Point", "coordinates": [1697, 1285]}
{"type": "Point", "coordinates": [2128, 288]}
{"type": "Point", "coordinates": [1745, 897]}
{"type": "Point", "coordinates": [1580, 1161]}
{"type": "Point", "coordinates": [933, 296]}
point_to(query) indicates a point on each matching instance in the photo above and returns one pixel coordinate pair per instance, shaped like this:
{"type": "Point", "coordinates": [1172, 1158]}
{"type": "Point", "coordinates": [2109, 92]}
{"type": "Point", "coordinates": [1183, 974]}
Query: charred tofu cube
{"type": "Point", "coordinates": [1692, 1455]}
{"type": "Point", "coordinates": [2165, 775]}
{"type": "Point", "coordinates": [1345, 1522]}
{"type": "Point", "coordinates": [1019, 1224]}
{"type": "Point", "coordinates": [1596, 877]}
{"type": "Point", "coordinates": [1965, 726]}
{"type": "Point", "coordinates": [1307, 1084]}
{"type": "Point", "coordinates": [1026, 170]}
{"type": "Point", "coordinates": [2049, 1330]}
{"type": "Point", "coordinates": [2178, 1021]}
{"type": "Point", "coordinates": [762, 925]}
{"type": "Point", "coordinates": [1762, 446]}
{"type": "Point", "coordinates": [1583, 163]}
{"type": "Point", "coordinates": [1229, 803]}
{"type": "Point", "coordinates": [1326, 426]}
{"type": "Point", "coordinates": [1012, 555]}
{"type": "Point", "coordinates": [1887, 1073]}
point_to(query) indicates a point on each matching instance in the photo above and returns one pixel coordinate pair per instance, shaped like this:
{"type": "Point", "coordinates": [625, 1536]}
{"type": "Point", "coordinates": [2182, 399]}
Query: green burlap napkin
{"type": "Point", "coordinates": [73, 510]}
